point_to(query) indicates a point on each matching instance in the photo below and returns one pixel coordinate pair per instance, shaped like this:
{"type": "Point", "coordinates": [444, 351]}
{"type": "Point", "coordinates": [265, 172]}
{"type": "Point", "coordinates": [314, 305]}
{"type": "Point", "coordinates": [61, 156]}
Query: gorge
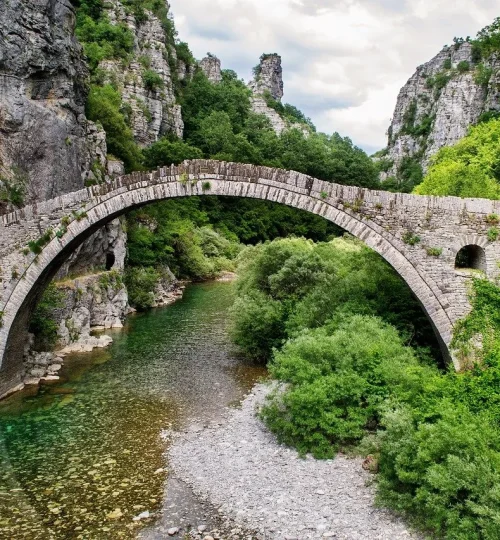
{"type": "Point", "coordinates": [127, 170]}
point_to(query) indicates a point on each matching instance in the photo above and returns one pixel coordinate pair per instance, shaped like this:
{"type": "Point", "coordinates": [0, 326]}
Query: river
{"type": "Point", "coordinates": [83, 457]}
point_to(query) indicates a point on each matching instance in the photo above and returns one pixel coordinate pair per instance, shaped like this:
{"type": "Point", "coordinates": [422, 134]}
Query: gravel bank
{"type": "Point", "coordinates": [238, 466]}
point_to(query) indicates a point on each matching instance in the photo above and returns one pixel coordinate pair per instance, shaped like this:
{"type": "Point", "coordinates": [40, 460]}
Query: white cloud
{"type": "Point", "coordinates": [343, 60]}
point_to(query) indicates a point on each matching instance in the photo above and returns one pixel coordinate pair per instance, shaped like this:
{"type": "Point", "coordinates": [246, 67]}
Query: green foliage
{"type": "Point", "coordinates": [345, 373]}
{"type": "Point", "coordinates": [184, 54]}
{"type": "Point", "coordinates": [409, 175]}
{"type": "Point", "coordinates": [177, 234]}
{"type": "Point", "coordinates": [104, 105]}
{"type": "Point", "coordinates": [409, 117]}
{"type": "Point", "coordinates": [316, 283]}
{"type": "Point", "coordinates": [439, 81]}
{"type": "Point", "coordinates": [440, 464]}
{"type": "Point", "coordinates": [488, 39]}
{"type": "Point", "coordinates": [36, 246]}
{"type": "Point", "coordinates": [141, 283]}
{"type": "Point", "coordinates": [492, 219]}
{"type": "Point", "coordinates": [493, 233]}
{"type": "Point", "coordinates": [434, 251]}
{"type": "Point", "coordinates": [384, 164]}
{"type": "Point", "coordinates": [463, 66]}
{"type": "Point", "coordinates": [471, 168]}
{"type": "Point", "coordinates": [169, 152]}
{"type": "Point", "coordinates": [486, 116]}
{"type": "Point", "coordinates": [483, 320]}
{"type": "Point", "coordinates": [99, 37]}
{"type": "Point", "coordinates": [113, 279]}
{"type": "Point", "coordinates": [447, 64]}
{"type": "Point", "coordinates": [287, 111]}
{"type": "Point", "coordinates": [337, 377]}
{"type": "Point", "coordinates": [43, 323]}
{"type": "Point", "coordinates": [482, 75]}
{"type": "Point", "coordinates": [152, 80]}
{"type": "Point", "coordinates": [219, 122]}
{"type": "Point", "coordinates": [410, 238]}
{"type": "Point", "coordinates": [13, 190]}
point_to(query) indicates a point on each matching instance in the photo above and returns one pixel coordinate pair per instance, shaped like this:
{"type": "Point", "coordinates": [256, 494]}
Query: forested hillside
{"type": "Point", "coordinates": [218, 122]}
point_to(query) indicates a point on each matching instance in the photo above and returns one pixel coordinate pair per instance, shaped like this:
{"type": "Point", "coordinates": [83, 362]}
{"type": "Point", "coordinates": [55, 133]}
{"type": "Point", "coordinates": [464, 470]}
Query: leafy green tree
{"type": "Point", "coordinates": [167, 152]}
{"type": "Point", "coordinates": [337, 378]}
{"type": "Point", "coordinates": [104, 105]}
{"type": "Point", "coordinates": [470, 168]}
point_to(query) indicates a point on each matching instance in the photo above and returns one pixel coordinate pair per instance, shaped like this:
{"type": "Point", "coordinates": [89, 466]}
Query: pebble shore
{"type": "Point", "coordinates": [237, 466]}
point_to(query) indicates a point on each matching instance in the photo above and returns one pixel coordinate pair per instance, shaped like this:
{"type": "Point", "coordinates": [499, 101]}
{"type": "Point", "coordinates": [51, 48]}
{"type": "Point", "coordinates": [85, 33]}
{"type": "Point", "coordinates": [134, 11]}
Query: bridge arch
{"type": "Point", "coordinates": [374, 217]}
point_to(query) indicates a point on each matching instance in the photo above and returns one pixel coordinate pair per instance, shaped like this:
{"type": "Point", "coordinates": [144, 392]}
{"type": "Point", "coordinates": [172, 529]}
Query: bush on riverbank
{"type": "Point", "coordinates": [313, 283]}
{"type": "Point", "coordinates": [348, 375]}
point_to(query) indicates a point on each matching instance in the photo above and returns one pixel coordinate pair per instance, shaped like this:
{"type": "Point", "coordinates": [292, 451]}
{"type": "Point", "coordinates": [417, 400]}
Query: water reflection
{"type": "Point", "coordinates": [81, 458]}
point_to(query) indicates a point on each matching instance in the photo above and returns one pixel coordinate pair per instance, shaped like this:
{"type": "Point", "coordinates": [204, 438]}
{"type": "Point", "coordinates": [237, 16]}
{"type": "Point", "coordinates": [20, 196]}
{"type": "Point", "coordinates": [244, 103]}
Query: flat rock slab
{"type": "Point", "coordinates": [239, 467]}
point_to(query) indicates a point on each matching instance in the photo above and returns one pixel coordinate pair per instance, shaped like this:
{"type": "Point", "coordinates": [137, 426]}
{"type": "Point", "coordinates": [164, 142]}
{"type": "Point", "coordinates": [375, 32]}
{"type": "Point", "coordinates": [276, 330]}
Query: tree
{"type": "Point", "coordinates": [470, 168]}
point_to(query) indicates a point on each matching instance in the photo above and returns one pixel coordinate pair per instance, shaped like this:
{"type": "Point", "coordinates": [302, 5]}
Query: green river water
{"type": "Point", "coordinates": [81, 458]}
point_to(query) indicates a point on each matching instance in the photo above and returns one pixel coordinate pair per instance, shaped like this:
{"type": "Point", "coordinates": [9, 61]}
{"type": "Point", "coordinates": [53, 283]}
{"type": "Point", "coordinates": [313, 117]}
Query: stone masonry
{"type": "Point", "coordinates": [419, 236]}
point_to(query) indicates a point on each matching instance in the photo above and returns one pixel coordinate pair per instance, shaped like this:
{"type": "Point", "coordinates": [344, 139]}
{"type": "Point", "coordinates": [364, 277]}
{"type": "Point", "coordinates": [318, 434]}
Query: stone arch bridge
{"type": "Point", "coordinates": [419, 236]}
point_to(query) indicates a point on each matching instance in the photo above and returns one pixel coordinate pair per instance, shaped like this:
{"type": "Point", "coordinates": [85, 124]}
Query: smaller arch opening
{"type": "Point", "coordinates": [472, 257]}
{"type": "Point", "coordinates": [110, 260]}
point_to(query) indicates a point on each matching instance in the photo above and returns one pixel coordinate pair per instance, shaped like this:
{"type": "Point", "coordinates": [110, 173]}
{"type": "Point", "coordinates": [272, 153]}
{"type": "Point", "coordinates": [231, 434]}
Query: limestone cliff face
{"type": "Point", "coordinates": [104, 250]}
{"type": "Point", "coordinates": [211, 66]}
{"type": "Point", "coordinates": [268, 76]}
{"type": "Point", "coordinates": [46, 144]}
{"type": "Point", "coordinates": [268, 79]}
{"type": "Point", "coordinates": [89, 302]}
{"type": "Point", "coordinates": [154, 111]}
{"type": "Point", "coordinates": [439, 103]}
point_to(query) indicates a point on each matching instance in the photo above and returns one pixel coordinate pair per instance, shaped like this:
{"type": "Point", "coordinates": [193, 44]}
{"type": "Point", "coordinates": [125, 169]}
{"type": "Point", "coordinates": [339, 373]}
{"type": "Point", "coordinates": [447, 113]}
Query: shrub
{"type": "Point", "coordinates": [492, 219]}
{"type": "Point", "coordinates": [36, 246]}
{"type": "Point", "coordinates": [482, 75]}
{"type": "Point", "coordinates": [336, 379]}
{"type": "Point", "coordinates": [43, 322]}
{"type": "Point", "coordinates": [13, 190]}
{"type": "Point", "coordinates": [493, 233]}
{"type": "Point", "coordinates": [433, 251]}
{"type": "Point", "coordinates": [167, 152]}
{"type": "Point", "coordinates": [257, 324]}
{"type": "Point", "coordinates": [410, 238]}
{"type": "Point", "coordinates": [441, 466]}
{"type": "Point", "coordinates": [140, 284]}
{"type": "Point", "coordinates": [152, 80]}
{"type": "Point", "coordinates": [104, 105]}
{"type": "Point", "coordinates": [463, 66]}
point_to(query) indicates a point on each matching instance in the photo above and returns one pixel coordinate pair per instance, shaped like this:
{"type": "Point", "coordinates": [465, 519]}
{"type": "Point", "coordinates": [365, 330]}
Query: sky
{"type": "Point", "coordinates": [344, 61]}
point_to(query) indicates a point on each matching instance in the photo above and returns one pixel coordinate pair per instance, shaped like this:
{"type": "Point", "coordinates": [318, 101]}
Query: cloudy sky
{"type": "Point", "coordinates": [344, 61]}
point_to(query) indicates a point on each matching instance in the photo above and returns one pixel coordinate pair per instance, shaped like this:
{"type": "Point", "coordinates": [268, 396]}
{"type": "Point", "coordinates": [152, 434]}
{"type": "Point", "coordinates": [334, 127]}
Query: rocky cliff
{"type": "Point", "coordinates": [146, 81]}
{"type": "Point", "coordinates": [87, 303]}
{"type": "Point", "coordinates": [47, 146]}
{"type": "Point", "coordinates": [211, 66]}
{"type": "Point", "coordinates": [268, 83]}
{"type": "Point", "coordinates": [438, 104]}
{"type": "Point", "coordinates": [266, 90]}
